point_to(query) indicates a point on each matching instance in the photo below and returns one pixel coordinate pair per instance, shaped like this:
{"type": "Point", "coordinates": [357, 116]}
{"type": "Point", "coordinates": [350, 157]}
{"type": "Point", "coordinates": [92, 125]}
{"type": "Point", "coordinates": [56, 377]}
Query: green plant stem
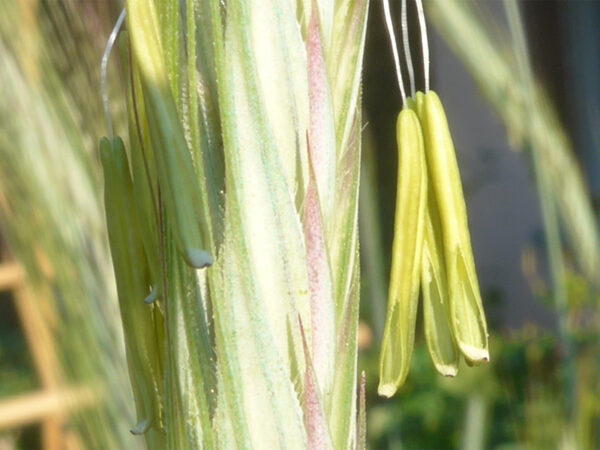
{"type": "Point", "coordinates": [548, 209]}
{"type": "Point", "coordinates": [475, 423]}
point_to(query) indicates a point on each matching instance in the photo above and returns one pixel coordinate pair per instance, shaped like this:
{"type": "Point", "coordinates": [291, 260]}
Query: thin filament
{"type": "Point", "coordinates": [392, 35]}
{"type": "Point", "coordinates": [406, 45]}
{"type": "Point", "coordinates": [424, 42]}
{"type": "Point", "coordinates": [103, 66]}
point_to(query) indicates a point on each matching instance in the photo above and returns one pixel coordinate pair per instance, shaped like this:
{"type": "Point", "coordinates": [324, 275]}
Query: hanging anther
{"type": "Point", "coordinates": [432, 244]}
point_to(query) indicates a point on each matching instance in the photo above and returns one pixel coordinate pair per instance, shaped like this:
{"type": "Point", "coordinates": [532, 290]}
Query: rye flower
{"type": "Point", "coordinates": [244, 147]}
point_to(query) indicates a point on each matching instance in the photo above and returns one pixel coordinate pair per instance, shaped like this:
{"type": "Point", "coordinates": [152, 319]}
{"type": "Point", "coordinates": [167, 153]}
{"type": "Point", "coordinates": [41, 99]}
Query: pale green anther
{"type": "Point", "coordinates": [180, 190]}
{"type": "Point", "coordinates": [143, 169]}
{"type": "Point", "coordinates": [436, 311]}
{"type": "Point", "coordinates": [177, 179]}
{"type": "Point", "coordinates": [132, 278]}
{"type": "Point", "coordinates": [466, 310]}
{"type": "Point", "coordinates": [399, 333]}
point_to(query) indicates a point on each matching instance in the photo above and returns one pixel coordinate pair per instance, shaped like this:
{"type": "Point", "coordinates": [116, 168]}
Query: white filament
{"type": "Point", "coordinates": [406, 45]}
{"type": "Point", "coordinates": [424, 42]}
{"type": "Point", "coordinates": [103, 66]}
{"type": "Point", "coordinates": [392, 35]}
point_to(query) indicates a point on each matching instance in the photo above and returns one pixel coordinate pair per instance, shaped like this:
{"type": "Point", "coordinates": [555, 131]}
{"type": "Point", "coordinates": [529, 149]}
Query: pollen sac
{"type": "Point", "coordinates": [180, 190]}
{"type": "Point", "coordinates": [399, 333]}
{"type": "Point", "coordinates": [467, 318]}
{"type": "Point", "coordinates": [436, 311]}
{"type": "Point", "coordinates": [176, 175]}
{"type": "Point", "coordinates": [143, 170]}
{"type": "Point", "coordinates": [142, 324]}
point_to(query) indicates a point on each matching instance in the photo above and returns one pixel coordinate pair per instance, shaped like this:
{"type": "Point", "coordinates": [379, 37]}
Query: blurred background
{"type": "Point", "coordinates": [528, 144]}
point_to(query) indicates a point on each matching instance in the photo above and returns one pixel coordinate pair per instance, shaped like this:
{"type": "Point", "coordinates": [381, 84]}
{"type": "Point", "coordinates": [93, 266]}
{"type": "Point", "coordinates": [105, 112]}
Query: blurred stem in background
{"type": "Point", "coordinates": [374, 295]}
{"type": "Point", "coordinates": [498, 77]}
{"type": "Point", "coordinates": [50, 208]}
{"type": "Point", "coordinates": [475, 423]}
{"type": "Point", "coordinates": [532, 124]}
{"type": "Point", "coordinates": [549, 214]}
